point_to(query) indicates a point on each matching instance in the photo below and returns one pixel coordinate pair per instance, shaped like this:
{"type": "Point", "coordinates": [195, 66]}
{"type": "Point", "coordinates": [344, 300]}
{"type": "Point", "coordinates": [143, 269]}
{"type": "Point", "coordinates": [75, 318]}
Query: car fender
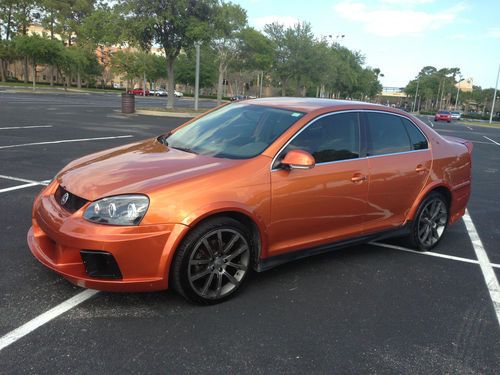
{"type": "Point", "coordinates": [215, 208]}
{"type": "Point", "coordinates": [423, 193]}
{"type": "Point", "coordinates": [182, 229]}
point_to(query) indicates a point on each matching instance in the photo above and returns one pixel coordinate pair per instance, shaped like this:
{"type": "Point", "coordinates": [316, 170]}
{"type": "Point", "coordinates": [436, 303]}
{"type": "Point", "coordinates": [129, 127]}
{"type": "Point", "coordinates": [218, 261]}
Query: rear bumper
{"type": "Point", "coordinates": [142, 253]}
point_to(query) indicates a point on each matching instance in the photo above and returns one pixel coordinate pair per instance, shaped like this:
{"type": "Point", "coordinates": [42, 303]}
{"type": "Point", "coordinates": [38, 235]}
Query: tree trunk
{"type": "Point", "coordinates": [144, 83]}
{"type": "Point", "coordinates": [78, 79]}
{"type": "Point", "coordinates": [220, 83]}
{"type": "Point", "coordinates": [51, 78]}
{"type": "Point", "coordinates": [33, 74]}
{"type": "Point", "coordinates": [25, 68]}
{"type": "Point", "coordinates": [2, 70]}
{"type": "Point", "coordinates": [66, 82]}
{"type": "Point", "coordinates": [171, 82]}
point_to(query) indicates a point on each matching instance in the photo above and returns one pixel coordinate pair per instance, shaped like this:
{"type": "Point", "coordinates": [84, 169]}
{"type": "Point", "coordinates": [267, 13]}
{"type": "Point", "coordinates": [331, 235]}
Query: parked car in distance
{"type": "Point", "coordinates": [178, 94]}
{"type": "Point", "coordinates": [237, 98]}
{"type": "Point", "coordinates": [455, 115]}
{"type": "Point", "coordinates": [443, 116]}
{"type": "Point", "coordinates": [158, 92]}
{"type": "Point", "coordinates": [138, 92]}
{"type": "Point", "coordinates": [250, 185]}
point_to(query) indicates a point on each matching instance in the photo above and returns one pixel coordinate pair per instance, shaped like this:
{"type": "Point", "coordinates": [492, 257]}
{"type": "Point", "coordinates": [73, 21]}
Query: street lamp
{"type": "Point", "coordinates": [416, 94]}
{"type": "Point", "coordinates": [197, 76]}
{"type": "Point", "coordinates": [458, 91]}
{"type": "Point", "coordinates": [494, 96]}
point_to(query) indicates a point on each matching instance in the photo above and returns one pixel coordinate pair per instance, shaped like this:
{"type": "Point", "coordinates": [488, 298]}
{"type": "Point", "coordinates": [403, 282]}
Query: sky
{"type": "Point", "coordinates": [400, 37]}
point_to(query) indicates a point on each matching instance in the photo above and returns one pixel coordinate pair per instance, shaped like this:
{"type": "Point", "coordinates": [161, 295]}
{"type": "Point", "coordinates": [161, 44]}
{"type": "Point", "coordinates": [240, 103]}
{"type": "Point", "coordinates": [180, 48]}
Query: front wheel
{"type": "Point", "coordinates": [430, 222]}
{"type": "Point", "coordinates": [213, 261]}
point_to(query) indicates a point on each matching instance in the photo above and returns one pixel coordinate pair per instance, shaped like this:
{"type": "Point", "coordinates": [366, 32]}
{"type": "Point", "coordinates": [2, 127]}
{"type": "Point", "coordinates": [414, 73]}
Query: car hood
{"type": "Point", "coordinates": [135, 168]}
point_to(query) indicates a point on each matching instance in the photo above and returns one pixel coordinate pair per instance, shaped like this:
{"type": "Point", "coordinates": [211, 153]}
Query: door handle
{"type": "Point", "coordinates": [420, 168]}
{"type": "Point", "coordinates": [358, 178]}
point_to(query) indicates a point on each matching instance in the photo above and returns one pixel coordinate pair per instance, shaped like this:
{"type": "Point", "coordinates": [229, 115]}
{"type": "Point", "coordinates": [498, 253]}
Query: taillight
{"type": "Point", "coordinates": [469, 146]}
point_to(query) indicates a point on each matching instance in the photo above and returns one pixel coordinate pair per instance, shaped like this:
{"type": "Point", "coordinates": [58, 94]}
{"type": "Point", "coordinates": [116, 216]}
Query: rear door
{"type": "Point", "coordinates": [399, 162]}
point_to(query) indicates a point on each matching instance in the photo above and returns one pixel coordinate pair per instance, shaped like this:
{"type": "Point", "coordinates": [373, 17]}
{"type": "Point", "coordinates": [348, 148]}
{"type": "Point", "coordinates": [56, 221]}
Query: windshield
{"type": "Point", "coordinates": [236, 131]}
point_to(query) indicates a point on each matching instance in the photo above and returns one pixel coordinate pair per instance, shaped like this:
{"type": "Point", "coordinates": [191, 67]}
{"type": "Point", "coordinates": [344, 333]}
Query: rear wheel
{"type": "Point", "coordinates": [213, 261]}
{"type": "Point", "coordinates": [430, 222]}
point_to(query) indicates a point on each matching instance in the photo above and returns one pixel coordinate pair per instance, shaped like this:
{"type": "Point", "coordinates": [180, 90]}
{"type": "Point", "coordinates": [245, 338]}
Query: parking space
{"type": "Point", "coordinates": [375, 308]}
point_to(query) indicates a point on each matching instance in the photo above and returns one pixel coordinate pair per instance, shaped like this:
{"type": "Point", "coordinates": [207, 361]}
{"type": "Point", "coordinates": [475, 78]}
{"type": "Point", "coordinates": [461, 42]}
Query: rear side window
{"type": "Point", "coordinates": [331, 138]}
{"type": "Point", "coordinates": [418, 140]}
{"type": "Point", "coordinates": [386, 134]}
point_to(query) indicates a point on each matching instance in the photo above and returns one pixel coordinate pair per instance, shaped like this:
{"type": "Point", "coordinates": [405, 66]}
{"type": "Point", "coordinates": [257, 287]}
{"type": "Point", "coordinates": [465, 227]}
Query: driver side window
{"type": "Point", "coordinates": [331, 138]}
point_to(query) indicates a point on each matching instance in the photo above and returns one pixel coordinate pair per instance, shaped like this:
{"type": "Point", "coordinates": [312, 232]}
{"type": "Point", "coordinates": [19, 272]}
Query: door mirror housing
{"type": "Point", "coordinates": [298, 159]}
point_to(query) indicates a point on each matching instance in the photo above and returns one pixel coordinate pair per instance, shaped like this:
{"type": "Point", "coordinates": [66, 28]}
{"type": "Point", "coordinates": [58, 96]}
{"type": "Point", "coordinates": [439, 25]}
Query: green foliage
{"type": "Point", "coordinates": [38, 49]}
{"type": "Point", "coordinates": [255, 50]}
{"type": "Point", "coordinates": [185, 67]}
{"type": "Point", "coordinates": [134, 65]}
{"type": "Point", "coordinates": [78, 60]}
{"type": "Point", "coordinates": [174, 25]}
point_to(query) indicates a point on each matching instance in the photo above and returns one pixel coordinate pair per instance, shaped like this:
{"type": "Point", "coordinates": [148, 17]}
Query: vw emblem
{"type": "Point", "coordinates": [64, 199]}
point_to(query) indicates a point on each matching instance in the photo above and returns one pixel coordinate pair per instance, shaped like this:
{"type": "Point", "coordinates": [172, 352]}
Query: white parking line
{"type": "Point", "coordinates": [484, 262]}
{"type": "Point", "coordinates": [489, 139]}
{"type": "Point", "coordinates": [19, 187]}
{"type": "Point", "coordinates": [430, 123]}
{"type": "Point", "coordinates": [44, 318]}
{"type": "Point", "coordinates": [26, 127]}
{"type": "Point", "coordinates": [44, 182]}
{"type": "Point", "coordinates": [66, 141]}
{"type": "Point", "coordinates": [468, 127]}
{"type": "Point", "coordinates": [430, 253]}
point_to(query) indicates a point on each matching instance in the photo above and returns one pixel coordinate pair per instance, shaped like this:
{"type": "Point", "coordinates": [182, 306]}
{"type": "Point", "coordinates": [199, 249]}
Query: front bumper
{"type": "Point", "coordinates": [143, 253]}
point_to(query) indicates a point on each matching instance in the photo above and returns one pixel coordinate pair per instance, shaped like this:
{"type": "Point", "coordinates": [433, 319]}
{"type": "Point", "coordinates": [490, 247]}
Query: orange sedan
{"type": "Point", "coordinates": [247, 186]}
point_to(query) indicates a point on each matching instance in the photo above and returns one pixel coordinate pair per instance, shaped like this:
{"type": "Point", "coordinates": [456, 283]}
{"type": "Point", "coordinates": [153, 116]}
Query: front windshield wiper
{"type": "Point", "coordinates": [163, 138]}
{"type": "Point", "coordinates": [185, 149]}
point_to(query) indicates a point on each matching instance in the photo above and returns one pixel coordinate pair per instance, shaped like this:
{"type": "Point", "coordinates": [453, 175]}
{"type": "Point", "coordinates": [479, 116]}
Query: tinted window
{"type": "Point", "coordinates": [387, 135]}
{"type": "Point", "coordinates": [330, 138]}
{"type": "Point", "coordinates": [418, 140]}
{"type": "Point", "coordinates": [236, 131]}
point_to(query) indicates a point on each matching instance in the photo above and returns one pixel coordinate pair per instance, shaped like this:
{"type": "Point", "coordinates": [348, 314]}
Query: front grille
{"type": "Point", "coordinates": [74, 202]}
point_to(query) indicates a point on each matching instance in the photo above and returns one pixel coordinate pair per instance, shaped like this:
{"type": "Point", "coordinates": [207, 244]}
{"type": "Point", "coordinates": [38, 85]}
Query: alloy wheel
{"type": "Point", "coordinates": [432, 222]}
{"type": "Point", "coordinates": [218, 263]}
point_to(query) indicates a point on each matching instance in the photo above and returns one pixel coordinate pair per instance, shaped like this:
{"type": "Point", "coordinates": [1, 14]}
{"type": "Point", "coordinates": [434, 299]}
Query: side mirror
{"type": "Point", "coordinates": [298, 159]}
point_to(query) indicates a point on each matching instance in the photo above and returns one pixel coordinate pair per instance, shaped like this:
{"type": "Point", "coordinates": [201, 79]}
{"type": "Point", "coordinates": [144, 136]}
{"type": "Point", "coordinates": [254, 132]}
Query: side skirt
{"type": "Point", "coordinates": [274, 261]}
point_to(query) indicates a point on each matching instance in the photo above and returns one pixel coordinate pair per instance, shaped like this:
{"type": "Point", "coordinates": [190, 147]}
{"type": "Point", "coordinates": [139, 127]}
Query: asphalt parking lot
{"type": "Point", "coordinates": [375, 308]}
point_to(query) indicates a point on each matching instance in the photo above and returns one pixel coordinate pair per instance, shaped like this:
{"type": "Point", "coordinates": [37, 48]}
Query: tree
{"type": "Point", "coordinates": [172, 24]}
{"type": "Point", "coordinates": [39, 50]}
{"type": "Point", "coordinates": [293, 47]}
{"type": "Point", "coordinates": [80, 61]}
{"type": "Point", "coordinates": [185, 67]}
{"type": "Point", "coordinates": [229, 21]}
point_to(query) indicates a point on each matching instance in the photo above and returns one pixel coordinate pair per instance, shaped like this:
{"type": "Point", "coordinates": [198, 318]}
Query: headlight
{"type": "Point", "coordinates": [119, 210]}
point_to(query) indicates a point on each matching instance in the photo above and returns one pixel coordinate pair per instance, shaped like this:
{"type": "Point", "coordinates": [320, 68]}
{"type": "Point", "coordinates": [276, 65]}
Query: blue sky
{"type": "Point", "coordinates": [398, 36]}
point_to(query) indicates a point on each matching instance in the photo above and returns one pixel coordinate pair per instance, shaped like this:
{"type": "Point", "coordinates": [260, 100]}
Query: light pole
{"type": "Point", "coordinates": [494, 96]}
{"type": "Point", "coordinates": [197, 76]}
{"type": "Point", "coordinates": [416, 94]}
{"type": "Point", "coordinates": [458, 91]}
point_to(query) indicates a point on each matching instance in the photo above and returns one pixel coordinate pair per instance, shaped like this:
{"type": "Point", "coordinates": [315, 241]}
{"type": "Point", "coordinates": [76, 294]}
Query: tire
{"type": "Point", "coordinates": [213, 261]}
{"type": "Point", "coordinates": [430, 222]}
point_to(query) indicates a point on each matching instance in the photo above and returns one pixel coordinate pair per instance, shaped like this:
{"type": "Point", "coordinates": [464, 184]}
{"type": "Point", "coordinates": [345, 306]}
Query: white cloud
{"type": "Point", "coordinates": [396, 20]}
{"type": "Point", "coordinates": [494, 32]}
{"type": "Point", "coordinates": [287, 21]}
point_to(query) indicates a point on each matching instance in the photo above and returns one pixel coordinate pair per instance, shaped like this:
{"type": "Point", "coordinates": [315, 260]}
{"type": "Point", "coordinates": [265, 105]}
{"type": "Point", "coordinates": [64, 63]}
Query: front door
{"type": "Point", "coordinates": [328, 202]}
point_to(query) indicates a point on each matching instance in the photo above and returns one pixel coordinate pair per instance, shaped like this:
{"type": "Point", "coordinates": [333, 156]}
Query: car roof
{"type": "Point", "coordinates": [312, 104]}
